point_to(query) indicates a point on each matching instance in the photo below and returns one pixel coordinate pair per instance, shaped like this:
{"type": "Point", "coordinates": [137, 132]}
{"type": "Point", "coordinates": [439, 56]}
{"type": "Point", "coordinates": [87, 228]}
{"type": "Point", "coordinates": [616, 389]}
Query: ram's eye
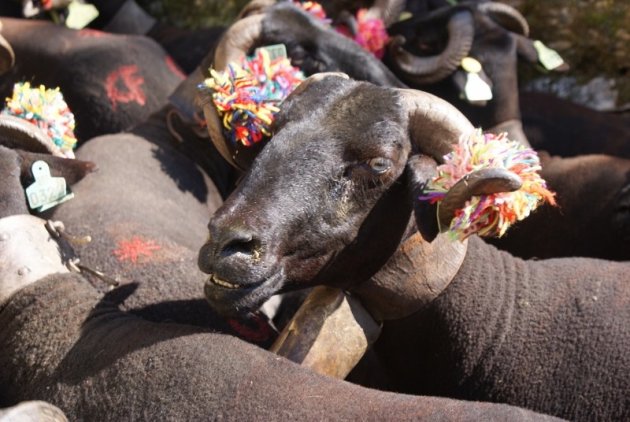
{"type": "Point", "coordinates": [379, 165]}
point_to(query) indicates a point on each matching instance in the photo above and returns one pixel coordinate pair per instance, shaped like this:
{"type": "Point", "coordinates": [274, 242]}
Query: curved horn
{"type": "Point", "coordinates": [386, 10]}
{"type": "Point", "coordinates": [481, 182]}
{"type": "Point", "coordinates": [426, 70]}
{"type": "Point", "coordinates": [235, 43]}
{"type": "Point", "coordinates": [506, 16]}
{"type": "Point", "coordinates": [19, 134]}
{"type": "Point", "coordinates": [7, 56]}
{"type": "Point", "coordinates": [254, 7]}
{"type": "Point", "coordinates": [434, 124]}
{"type": "Point", "coordinates": [237, 40]}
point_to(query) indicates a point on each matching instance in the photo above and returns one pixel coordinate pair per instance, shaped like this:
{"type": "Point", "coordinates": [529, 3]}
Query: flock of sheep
{"type": "Point", "coordinates": [103, 314]}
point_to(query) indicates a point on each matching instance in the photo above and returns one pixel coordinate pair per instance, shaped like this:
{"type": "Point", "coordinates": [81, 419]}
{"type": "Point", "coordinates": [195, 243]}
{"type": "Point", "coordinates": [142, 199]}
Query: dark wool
{"type": "Point", "coordinates": [548, 335]}
{"type": "Point", "coordinates": [63, 343]}
{"type": "Point", "coordinates": [110, 82]}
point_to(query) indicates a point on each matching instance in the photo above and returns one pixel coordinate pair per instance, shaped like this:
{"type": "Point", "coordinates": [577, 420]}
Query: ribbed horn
{"type": "Point", "coordinates": [426, 70]}
{"type": "Point", "coordinates": [481, 182]}
{"type": "Point", "coordinates": [434, 124]}
{"type": "Point", "coordinates": [434, 127]}
{"type": "Point", "coordinates": [506, 16]}
{"type": "Point", "coordinates": [235, 43]}
{"type": "Point", "coordinates": [7, 56]}
{"type": "Point", "coordinates": [237, 40]}
{"type": "Point", "coordinates": [254, 7]}
{"type": "Point", "coordinates": [386, 10]}
{"type": "Point", "coordinates": [17, 133]}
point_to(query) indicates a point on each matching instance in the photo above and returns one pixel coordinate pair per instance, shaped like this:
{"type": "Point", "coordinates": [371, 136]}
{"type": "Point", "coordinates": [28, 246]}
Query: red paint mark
{"type": "Point", "coordinates": [91, 33]}
{"type": "Point", "coordinates": [123, 86]}
{"type": "Point", "coordinates": [134, 248]}
{"type": "Point", "coordinates": [262, 331]}
{"type": "Point", "coordinates": [173, 67]}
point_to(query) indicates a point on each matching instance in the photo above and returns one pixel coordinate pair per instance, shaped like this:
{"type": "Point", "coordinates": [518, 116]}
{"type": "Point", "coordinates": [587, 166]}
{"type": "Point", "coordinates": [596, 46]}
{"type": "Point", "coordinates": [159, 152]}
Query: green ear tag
{"type": "Point", "coordinates": [475, 89]}
{"type": "Point", "coordinates": [549, 58]}
{"type": "Point", "coordinates": [275, 51]}
{"type": "Point", "coordinates": [80, 14]}
{"type": "Point", "coordinates": [46, 191]}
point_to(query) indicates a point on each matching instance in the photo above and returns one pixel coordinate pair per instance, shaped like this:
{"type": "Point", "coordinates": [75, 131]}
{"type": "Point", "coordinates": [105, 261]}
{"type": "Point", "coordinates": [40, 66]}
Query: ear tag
{"type": "Point", "coordinates": [275, 51]}
{"type": "Point", "coordinates": [80, 14]}
{"type": "Point", "coordinates": [46, 191]}
{"type": "Point", "coordinates": [30, 9]}
{"type": "Point", "coordinates": [475, 88]}
{"type": "Point", "coordinates": [549, 58]}
{"type": "Point", "coordinates": [404, 16]}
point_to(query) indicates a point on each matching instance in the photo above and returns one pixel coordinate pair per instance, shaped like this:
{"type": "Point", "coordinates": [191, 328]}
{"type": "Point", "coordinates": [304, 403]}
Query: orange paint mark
{"type": "Point", "coordinates": [134, 248]}
{"type": "Point", "coordinates": [123, 86]}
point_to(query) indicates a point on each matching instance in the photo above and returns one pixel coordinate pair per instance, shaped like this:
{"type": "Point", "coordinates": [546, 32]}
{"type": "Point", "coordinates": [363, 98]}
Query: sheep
{"type": "Point", "coordinates": [564, 128]}
{"type": "Point", "coordinates": [459, 319]}
{"type": "Point", "coordinates": [497, 35]}
{"type": "Point", "coordinates": [110, 82]}
{"type": "Point", "coordinates": [561, 225]}
{"type": "Point", "coordinates": [68, 344]}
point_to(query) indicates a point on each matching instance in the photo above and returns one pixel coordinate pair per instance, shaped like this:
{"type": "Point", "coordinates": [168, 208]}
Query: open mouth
{"type": "Point", "coordinates": [229, 298]}
{"type": "Point", "coordinates": [213, 279]}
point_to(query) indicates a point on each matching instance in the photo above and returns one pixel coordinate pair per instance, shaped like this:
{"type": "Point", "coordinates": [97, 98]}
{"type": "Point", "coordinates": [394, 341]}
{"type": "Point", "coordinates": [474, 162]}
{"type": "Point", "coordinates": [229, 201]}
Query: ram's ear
{"type": "Point", "coordinates": [70, 169]}
{"type": "Point", "coordinates": [420, 169]}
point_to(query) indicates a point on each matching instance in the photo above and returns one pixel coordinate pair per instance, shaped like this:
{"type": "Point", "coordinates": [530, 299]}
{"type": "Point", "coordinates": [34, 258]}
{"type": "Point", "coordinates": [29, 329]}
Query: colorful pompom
{"type": "Point", "coordinates": [371, 33]}
{"type": "Point", "coordinates": [313, 8]}
{"type": "Point", "coordinates": [247, 96]}
{"type": "Point", "coordinates": [46, 109]}
{"type": "Point", "coordinates": [490, 215]}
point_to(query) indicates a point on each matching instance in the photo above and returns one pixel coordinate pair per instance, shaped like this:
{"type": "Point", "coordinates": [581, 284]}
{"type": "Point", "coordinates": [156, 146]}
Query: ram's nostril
{"type": "Point", "coordinates": [241, 243]}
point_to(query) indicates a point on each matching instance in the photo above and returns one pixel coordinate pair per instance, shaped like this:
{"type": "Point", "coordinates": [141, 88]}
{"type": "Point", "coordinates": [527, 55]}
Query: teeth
{"type": "Point", "coordinates": [219, 282]}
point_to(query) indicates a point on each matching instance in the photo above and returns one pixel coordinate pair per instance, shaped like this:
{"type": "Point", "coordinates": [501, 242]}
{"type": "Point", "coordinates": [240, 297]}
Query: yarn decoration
{"type": "Point", "coordinates": [46, 109]}
{"type": "Point", "coordinates": [314, 9]}
{"type": "Point", "coordinates": [247, 96]}
{"type": "Point", "coordinates": [371, 33]}
{"type": "Point", "coordinates": [489, 215]}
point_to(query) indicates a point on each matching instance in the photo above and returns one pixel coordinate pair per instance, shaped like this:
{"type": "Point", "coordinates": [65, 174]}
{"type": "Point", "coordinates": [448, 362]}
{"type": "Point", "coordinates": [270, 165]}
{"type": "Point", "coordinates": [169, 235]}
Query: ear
{"type": "Point", "coordinates": [70, 169]}
{"type": "Point", "coordinates": [30, 9]}
{"type": "Point", "coordinates": [420, 169]}
{"type": "Point", "coordinates": [527, 51]}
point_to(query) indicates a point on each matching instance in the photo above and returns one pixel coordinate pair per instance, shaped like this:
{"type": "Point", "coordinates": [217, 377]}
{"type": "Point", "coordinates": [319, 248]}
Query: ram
{"type": "Point", "coordinates": [68, 344]}
{"type": "Point", "coordinates": [110, 82]}
{"type": "Point", "coordinates": [460, 319]}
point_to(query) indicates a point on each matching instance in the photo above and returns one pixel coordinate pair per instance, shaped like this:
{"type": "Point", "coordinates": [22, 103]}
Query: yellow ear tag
{"type": "Point", "coordinates": [404, 16]}
{"type": "Point", "coordinates": [80, 14]}
{"type": "Point", "coordinates": [471, 65]}
{"type": "Point", "coordinates": [475, 89]}
{"type": "Point", "coordinates": [549, 58]}
{"type": "Point", "coordinates": [46, 191]}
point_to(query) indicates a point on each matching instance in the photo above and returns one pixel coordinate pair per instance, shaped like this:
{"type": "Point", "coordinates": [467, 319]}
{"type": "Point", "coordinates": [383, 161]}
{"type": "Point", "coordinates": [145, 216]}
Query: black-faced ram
{"type": "Point", "coordinates": [68, 344]}
{"type": "Point", "coordinates": [460, 319]}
